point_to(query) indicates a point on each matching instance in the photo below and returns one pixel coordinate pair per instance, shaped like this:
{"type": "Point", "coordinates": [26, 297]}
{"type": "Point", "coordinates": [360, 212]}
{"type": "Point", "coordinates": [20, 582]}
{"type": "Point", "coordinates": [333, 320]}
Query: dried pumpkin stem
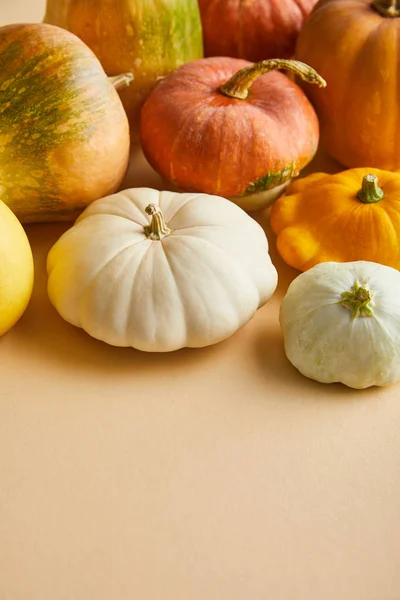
{"type": "Point", "coordinates": [157, 228]}
{"type": "Point", "coordinates": [357, 301]}
{"type": "Point", "coordinates": [370, 191]}
{"type": "Point", "coordinates": [121, 81]}
{"type": "Point", "coordinates": [238, 85]}
{"type": "Point", "coordinates": [387, 8]}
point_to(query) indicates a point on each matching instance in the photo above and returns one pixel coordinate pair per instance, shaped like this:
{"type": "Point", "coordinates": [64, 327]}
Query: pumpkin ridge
{"type": "Point", "coordinates": [177, 288]}
{"type": "Point", "coordinates": [392, 234]}
{"type": "Point", "coordinates": [223, 129]}
{"type": "Point", "coordinates": [133, 282]}
{"type": "Point", "coordinates": [281, 216]}
{"type": "Point", "coordinates": [197, 226]}
{"type": "Point", "coordinates": [334, 225]}
{"type": "Point", "coordinates": [87, 213]}
{"type": "Point", "coordinates": [109, 291]}
{"type": "Point", "coordinates": [109, 261]}
{"type": "Point", "coordinates": [300, 184]}
{"type": "Point", "coordinates": [195, 196]}
{"type": "Point", "coordinates": [310, 312]}
{"type": "Point", "coordinates": [394, 73]}
{"type": "Point", "coordinates": [352, 75]}
{"type": "Point", "coordinates": [224, 251]}
{"type": "Point", "coordinates": [286, 244]}
{"type": "Point", "coordinates": [178, 138]}
{"type": "Point", "coordinates": [231, 259]}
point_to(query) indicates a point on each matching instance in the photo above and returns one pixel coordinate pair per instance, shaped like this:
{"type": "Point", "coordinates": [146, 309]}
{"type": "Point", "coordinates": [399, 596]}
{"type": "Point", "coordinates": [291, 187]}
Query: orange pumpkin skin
{"type": "Point", "coordinates": [356, 50]}
{"type": "Point", "coordinates": [252, 29]}
{"type": "Point", "coordinates": [323, 219]}
{"type": "Point", "coordinates": [200, 140]}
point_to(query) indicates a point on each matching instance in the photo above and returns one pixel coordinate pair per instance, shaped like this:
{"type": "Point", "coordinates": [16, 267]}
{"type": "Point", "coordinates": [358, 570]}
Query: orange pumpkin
{"type": "Point", "coordinates": [252, 29]}
{"type": "Point", "coordinates": [349, 216]}
{"type": "Point", "coordinates": [204, 130]}
{"type": "Point", "coordinates": [354, 46]}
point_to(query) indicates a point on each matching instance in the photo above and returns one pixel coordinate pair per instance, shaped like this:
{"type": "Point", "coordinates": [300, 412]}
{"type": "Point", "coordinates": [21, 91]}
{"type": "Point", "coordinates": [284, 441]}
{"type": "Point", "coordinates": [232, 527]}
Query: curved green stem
{"type": "Point", "coordinates": [357, 301]}
{"type": "Point", "coordinates": [157, 228]}
{"type": "Point", "coordinates": [370, 191]}
{"type": "Point", "coordinates": [238, 85]}
{"type": "Point", "coordinates": [387, 8]}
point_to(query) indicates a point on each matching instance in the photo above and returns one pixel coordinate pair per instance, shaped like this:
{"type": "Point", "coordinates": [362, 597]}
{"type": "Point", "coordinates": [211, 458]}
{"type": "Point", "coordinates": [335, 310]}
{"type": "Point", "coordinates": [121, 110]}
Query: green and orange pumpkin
{"type": "Point", "coordinates": [64, 134]}
{"type": "Point", "coordinates": [232, 128]}
{"type": "Point", "coordinates": [149, 39]}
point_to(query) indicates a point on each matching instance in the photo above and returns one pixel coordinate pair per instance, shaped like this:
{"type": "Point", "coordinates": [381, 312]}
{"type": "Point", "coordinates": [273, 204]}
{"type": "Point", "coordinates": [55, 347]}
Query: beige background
{"type": "Point", "coordinates": [218, 474]}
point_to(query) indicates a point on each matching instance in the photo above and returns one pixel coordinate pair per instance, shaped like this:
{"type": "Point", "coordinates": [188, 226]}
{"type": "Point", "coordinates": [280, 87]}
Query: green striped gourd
{"type": "Point", "coordinates": [64, 134]}
{"type": "Point", "coordinates": [150, 38]}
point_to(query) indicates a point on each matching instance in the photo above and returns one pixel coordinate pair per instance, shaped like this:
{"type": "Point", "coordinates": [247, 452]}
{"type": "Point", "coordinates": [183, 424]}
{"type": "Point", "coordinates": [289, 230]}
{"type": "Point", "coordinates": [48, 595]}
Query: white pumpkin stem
{"type": "Point", "coordinates": [239, 84]}
{"type": "Point", "coordinates": [387, 8]}
{"type": "Point", "coordinates": [157, 228]}
{"type": "Point", "coordinates": [357, 301]}
{"type": "Point", "coordinates": [121, 81]}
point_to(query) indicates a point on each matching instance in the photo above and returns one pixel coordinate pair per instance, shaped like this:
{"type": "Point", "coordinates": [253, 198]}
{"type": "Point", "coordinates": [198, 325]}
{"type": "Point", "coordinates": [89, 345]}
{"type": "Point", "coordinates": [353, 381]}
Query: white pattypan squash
{"type": "Point", "coordinates": [341, 323]}
{"type": "Point", "coordinates": [161, 270]}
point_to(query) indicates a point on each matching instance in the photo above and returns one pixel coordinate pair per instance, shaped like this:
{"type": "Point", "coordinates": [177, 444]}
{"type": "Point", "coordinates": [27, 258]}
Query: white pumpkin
{"type": "Point", "coordinates": [341, 323]}
{"type": "Point", "coordinates": [161, 270]}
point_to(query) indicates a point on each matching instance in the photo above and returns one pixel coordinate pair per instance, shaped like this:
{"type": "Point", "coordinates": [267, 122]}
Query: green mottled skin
{"type": "Point", "coordinates": [271, 180]}
{"type": "Point", "coordinates": [46, 97]}
{"type": "Point", "coordinates": [150, 38]}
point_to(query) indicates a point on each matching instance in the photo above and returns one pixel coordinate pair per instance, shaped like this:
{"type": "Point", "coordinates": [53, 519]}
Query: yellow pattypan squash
{"type": "Point", "coordinates": [352, 215]}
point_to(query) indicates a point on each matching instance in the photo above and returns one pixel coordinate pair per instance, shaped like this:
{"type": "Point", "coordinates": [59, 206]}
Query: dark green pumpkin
{"type": "Point", "coordinates": [64, 135]}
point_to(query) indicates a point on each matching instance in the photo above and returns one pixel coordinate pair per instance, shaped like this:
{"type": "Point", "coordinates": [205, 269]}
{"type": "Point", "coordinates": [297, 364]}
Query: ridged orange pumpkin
{"type": "Point", "coordinates": [149, 39]}
{"type": "Point", "coordinates": [232, 128]}
{"type": "Point", "coordinates": [354, 45]}
{"type": "Point", "coordinates": [349, 216]}
{"type": "Point", "coordinates": [252, 29]}
{"type": "Point", "coordinates": [64, 134]}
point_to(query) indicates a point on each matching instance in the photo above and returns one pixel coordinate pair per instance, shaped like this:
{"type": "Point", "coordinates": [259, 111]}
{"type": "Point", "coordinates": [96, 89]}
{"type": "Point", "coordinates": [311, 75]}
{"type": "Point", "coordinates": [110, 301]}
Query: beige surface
{"type": "Point", "coordinates": [217, 474]}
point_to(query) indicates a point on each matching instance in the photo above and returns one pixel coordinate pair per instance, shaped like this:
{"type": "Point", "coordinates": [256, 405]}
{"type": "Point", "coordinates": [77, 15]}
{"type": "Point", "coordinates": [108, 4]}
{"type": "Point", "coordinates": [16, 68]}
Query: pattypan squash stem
{"type": "Point", "coordinates": [157, 228]}
{"type": "Point", "coordinates": [358, 301]}
{"type": "Point", "coordinates": [370, 191]}
{"type": "Point", "coordinates": [387, 8]}
{"type": "Point", "coordinates": [238, 85]}
{"type": "Point", "coordinates": [121, 81]}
